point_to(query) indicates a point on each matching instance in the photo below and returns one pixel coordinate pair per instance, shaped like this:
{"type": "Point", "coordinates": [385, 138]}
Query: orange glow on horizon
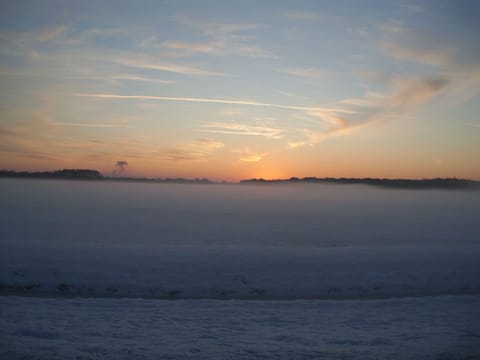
{"type": "Point", "coordinates": [272, 167]}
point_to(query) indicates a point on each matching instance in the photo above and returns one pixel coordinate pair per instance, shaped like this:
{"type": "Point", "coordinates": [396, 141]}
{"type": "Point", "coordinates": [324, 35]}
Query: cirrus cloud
{"type": "Point", "coordinates": [197, 150]}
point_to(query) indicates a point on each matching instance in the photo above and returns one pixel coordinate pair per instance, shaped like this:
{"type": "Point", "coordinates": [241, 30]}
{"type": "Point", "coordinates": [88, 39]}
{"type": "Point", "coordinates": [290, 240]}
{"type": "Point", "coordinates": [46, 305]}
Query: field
{"type": "Point", "coordinates": [93, 270]}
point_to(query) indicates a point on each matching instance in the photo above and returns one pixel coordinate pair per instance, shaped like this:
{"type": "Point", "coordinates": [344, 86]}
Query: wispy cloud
{"type": "Point", "coordinates": [95, 33]}
{"type": "Point", "coordinates": [49, 33]}
{"type": "Point", "coordinates": [290, 33]}
{"type": "Point", "coordinates": [404, 43]}
{"type": "Point", "coordinates": [405, 96]}
{"type": "Point", "coordinates": [87, 125]}
{"type": "Point", "coordinates": [213, 100]}
{"type": "Point", "coordinates": [42, 35]}
{"type": "Point", "coordinates": [337, 126]}
{"type": "Point", "coordinates": [63, 34]}
{"type": "Point", "coordinates": [105, 149]}
{"type": "Point", "coordinates": [13, 45]}
{"type": "Point", "coordinates": [308, 73]}
{"type": "Point", "coordinates": [28, 135]}
{"type": "Point", "coordinates": [252, 158]}
{"type": "Point", "coordinates": [406, 93]}
{"type": "Point", "coordinates": [232, 112]}
{"type": "Point", "coordinates": [247, 155]}
{"type": "Point", "coordinates": [409, 93]}
{"type": "Point", "coordinates": [143, 63]}
{"type": "Point", "coordinates": [194, 47]}
{"type": "Point", "coordinates": [439, 56]}
{"type": "Point", "coordinates": [198, 150]}
{"type": "Point", "coordinates": [130, 77]}
{"type": "Point", "coordinates": [242, 129]}
{"type": "Point", "coordinates": [301, 15]}
{"type": "Point", "coordinates": [372, 75]}
{"type": "Point", "coordinates": [25, 44]}
{"type": "Point", "coordinates": [334, 118]}
{"type": "Point", "coordinates": [220, 47]}
{"type": "Point", "coordinates": [292, 95]}
{"type": "Point", "coordinates": [414, 8]}
{"type": "Point", "coordinates": [445, 59]}
{"type": "Point", "coordinates": [392, 27]}
{"type": "Point", "coordinates": [369, 99]}
{"type": "Point", "coordinates": [221, 39]}
{"type": "Point", "coordinates": [476, 125]}
{"type": "Point", "coordinates": [217, 28]}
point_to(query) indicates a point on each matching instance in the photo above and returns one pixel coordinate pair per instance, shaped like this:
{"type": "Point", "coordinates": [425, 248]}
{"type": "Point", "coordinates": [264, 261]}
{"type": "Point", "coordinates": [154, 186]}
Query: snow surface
{"type": "Point", "coordinates": [244, 273]}
{"type": "Point", "coordinates": [387, 273]}
{"type": "Point", "coordinates": [227, 241]}
{"type": "Point", "coordinates": [445, 327]}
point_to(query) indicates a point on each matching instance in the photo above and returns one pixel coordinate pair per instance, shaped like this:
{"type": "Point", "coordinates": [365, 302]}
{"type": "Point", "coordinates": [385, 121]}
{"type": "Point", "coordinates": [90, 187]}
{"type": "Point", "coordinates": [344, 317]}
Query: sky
{"type": "Point", "coordinates": [242, 89]}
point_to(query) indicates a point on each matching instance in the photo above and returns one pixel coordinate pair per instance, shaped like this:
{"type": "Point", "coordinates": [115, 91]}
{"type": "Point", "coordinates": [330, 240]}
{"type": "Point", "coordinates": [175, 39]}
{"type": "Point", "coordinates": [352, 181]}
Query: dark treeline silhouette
{"type": "Point", "coordinates": [87, 174]}
{"type": "Point", "coordinates": [81, 174]}
{"type": "Point", "coordinates": [441, 183]}
{"type": "Point", "coordinates": [163, 180]}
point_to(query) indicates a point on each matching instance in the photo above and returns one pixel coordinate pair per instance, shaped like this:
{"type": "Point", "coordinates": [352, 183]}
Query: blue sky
{"type": "Point", "coordinates": [228, 90]}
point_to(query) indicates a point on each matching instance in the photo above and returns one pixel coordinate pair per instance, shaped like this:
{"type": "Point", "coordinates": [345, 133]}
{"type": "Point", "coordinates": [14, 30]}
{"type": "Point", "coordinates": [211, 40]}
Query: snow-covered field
{"type": "Point", "coordinates": [445, 327]}
{"type": "Point", "coordinates": [238, 273]}
{"type": "Point", "coordinates": [90, 269]}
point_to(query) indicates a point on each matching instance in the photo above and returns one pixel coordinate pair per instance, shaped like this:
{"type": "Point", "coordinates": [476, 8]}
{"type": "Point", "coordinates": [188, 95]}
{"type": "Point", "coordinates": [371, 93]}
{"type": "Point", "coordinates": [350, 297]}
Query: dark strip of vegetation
{"type": "Point", "coordinates": [440, 183]}
{"type": "Point", "coordinates": [87, 174]}
{"type": "Point", "coordinates": [80, 174]}
{"type": "Point", "coordinates": [163, 180]}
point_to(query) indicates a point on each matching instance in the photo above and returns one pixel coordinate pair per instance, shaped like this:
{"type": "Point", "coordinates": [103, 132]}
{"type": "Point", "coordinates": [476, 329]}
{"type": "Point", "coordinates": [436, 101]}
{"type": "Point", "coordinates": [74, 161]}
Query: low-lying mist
{"type": "Point", "coordinates": [109, 214]}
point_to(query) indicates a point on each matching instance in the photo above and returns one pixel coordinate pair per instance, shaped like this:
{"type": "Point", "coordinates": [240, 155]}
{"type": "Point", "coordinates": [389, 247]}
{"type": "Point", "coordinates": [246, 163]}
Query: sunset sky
{"type": "Point", "coordinates": [240, 89]}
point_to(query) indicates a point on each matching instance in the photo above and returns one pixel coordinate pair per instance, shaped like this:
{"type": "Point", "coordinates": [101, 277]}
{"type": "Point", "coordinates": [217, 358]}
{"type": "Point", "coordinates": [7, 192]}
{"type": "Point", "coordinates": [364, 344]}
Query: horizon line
{"type": "Point", "coordinates": [252, 179]}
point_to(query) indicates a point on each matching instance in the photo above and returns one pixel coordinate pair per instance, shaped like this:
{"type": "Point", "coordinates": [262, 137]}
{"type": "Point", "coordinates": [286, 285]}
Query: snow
{"type": "Point", "coordinates": [244, 273]}
{"type": "Point", "coordinates": [53, 214]}
{"type": "Point", "coordinates": [93, 270]}
{"type": "Point", "coordinates": [444, 327]}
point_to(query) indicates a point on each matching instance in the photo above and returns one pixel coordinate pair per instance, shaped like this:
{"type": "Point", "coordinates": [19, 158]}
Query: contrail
{"type": "Point", "coordinates": [217, 101]}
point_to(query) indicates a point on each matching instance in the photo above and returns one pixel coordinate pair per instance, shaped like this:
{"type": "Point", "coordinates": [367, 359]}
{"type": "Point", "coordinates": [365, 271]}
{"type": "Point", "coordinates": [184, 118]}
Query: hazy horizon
{"type": "Point", "coordinates": [123, 175]}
